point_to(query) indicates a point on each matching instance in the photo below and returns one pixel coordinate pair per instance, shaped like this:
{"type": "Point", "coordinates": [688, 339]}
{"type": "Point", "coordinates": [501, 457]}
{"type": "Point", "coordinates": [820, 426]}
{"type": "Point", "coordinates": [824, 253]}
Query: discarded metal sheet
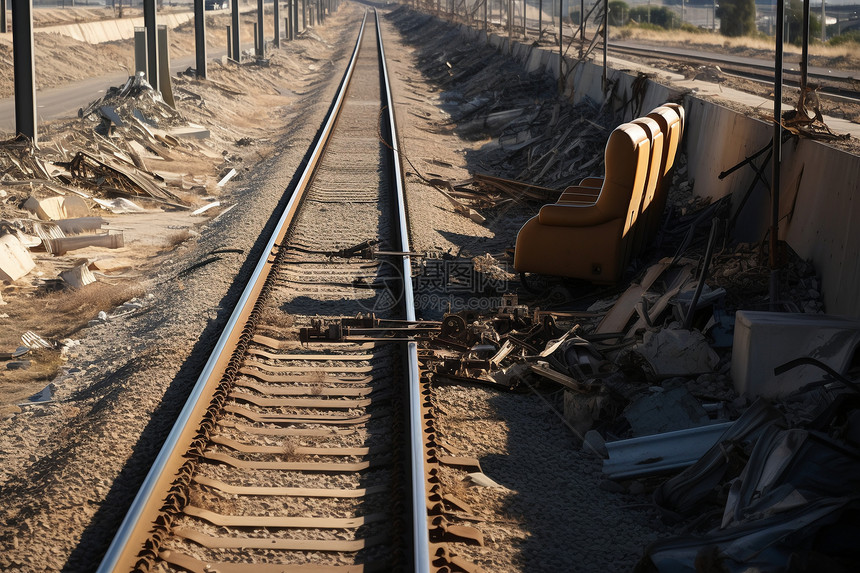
{"type": "Point", "coordinates": [109, 176]}
{"type": "Point", "coordinates": [79, 225]}
{"type": "Point", "coordinates": [119, 205]}
{"type": "Point", "coordinates": [667, 353]}
{"type": "Point", "coordinates": [78, 277]}
{"type": "Point", "coordinates": [666, 411]}
{"type": "Point", "coordinates": [683, 493]}
{"type": "Point", "coordinates": [659, 453]}
{"type": "Point", "coordinates": [33, 340]}
{"type": "Point", "coordinates": [55, 208]}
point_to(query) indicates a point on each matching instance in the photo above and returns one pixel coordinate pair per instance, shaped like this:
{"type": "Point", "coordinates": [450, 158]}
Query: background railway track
{"type": "Point", "coordinates": [835, 84]}
{"type": "Point", "coordinates": [289, 455]}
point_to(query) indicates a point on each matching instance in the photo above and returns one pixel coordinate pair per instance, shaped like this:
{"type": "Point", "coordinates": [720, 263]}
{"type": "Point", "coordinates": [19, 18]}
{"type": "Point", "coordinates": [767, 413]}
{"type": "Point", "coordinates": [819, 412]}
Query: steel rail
{"type": "Point", "coordinates": [838, 87]}
{"type": "Point", "coordinates": [133, 532]}
{"type": "Point", "coordinates": [420, 530]}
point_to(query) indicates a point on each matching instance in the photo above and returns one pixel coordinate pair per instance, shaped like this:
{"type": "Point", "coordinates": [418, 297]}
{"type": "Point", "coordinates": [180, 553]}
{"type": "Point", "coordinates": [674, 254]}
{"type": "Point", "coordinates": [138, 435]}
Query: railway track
{"type": "Point", "coordinates": [305, 457]}
{"type": "Point", "coordinates": [834, 84]}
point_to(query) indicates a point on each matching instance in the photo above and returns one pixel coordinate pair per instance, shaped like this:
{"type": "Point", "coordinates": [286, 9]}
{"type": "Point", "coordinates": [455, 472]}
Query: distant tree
{"type": "Point", "coordinates": [660, 16]}
{"type": "Point", "coordinates": [794, 16]}
{"type": "Point", "coordinates": [737, 17]}
{"type": "Point", "coordinates": [619, 13]}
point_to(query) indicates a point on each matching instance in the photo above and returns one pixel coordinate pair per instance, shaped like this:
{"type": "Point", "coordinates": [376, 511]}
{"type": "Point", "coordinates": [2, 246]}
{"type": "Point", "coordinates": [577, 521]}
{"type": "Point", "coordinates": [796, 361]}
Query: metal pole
{"type": "Point", "coordinates": [560, 46]}
{"type": "Point", "coordinates": [581, 28]}
{"type": "Point", "coordinates": [261, 36]}
{"type": "Point", "coordinates": [151, 43]}
{"type": "Point", "coordinates": [823, 23]}
{"type": "Point", "coordinates": [24, 69]}
{"type": "Point", "coordinates": [295, 18]}
{"type": "Point", "coordinates": [140, 64]}
{"type": "Point", "coordinates": [3, 17]}
{"type": "Point", "coordinates": [304, 14]}
{"type": "Point", "coordinates": [804, 52]}
{"type": "Point", "coordinates": [605, 38]}
{"type": "Point", "coordinates": [777, 157]}
{"type": "Point", "coordinates": [540, 18]}
{"type": "Point", "coordinates": [486, 22]}
{"type": "Point", "coordinates": [200, 38]}
{"type": "Point", "coordinates": [229, 42]}
{"type": "Point", "coordinates": [277, 23]}
{"type": "Point", "coordinates": [234, 19]}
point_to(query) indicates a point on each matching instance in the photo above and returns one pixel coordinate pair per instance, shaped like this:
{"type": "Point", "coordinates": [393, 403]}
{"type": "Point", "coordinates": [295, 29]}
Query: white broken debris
{"type": "Point", "coordinates": [33, 340]}
{"type": "Point", "coordinates": [226, 178]}
{"type": "Point", "coordinates": [15, 260]}
{"type": "Point", "coordinates": [206, 207]}
{"type": "Point", "coordinates": [669, 353]}
{"type": "Point", "coordinates": [78, 277]}
{"type": "Point", "coordinates": [120, 205]}
{"type": "Point", "coordinates": [55, 208]}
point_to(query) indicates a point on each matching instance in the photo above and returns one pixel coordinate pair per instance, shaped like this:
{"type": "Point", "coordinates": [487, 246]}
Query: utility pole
{"type": "Point", "coordinates": [261, 37]}
{"type": "Point", "coordinates": [2, 16]}
{"type": "Point", "coordinates": [24, 69]}
{"type": "Point", "coordinates": [200, 38]}
{"type": "Point", "coordinates": [151, 43]}
{"type": "Point", "coordinates": [823, 23]}
{"type": "Point", "coordinates": [234, 21]}
{"type": "Point", "coordinates": [277, 23]}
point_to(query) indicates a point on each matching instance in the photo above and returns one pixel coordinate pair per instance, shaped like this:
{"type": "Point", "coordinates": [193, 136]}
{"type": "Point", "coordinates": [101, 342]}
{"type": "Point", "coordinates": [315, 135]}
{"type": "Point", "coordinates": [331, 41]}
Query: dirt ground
{"type": "Point", "coordinates": [71, 464]}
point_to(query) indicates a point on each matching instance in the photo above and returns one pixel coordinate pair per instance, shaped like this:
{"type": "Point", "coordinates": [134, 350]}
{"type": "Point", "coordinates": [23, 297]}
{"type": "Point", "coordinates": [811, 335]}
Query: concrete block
{"type": "Point", "coordinates": [54, 208]}
{"type": "Point", "coordinates": [15, 259]}
{"type": "Point", "coordinates": [765, 340]}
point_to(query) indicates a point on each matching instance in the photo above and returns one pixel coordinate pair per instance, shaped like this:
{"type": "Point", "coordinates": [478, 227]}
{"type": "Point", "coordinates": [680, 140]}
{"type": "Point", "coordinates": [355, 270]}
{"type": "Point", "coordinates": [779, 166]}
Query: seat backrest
{"type": "Point", "coordinates": [626, 158]}
{"type": "Point", "coordinates": [679, 109]}
{"type": "Point", "coordinates": [670, 124]}
{"type": "Point", "coordinates": [655, 160]}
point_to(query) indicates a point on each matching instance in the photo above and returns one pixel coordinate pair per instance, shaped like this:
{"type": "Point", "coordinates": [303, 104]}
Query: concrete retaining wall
{"type": "Point", "coordinates": [820, 188]}
{"type": "Point", "coordinates": [113, 30]}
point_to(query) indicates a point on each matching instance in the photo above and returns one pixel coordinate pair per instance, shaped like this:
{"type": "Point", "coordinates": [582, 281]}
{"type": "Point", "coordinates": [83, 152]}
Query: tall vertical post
{"type": "Point", "coordinates": [261, 37]}
{"type": "Point", "coordinates": [295, 18]}
{"type": "Point", "coordinates": [234, 22]}
{"type": "Point", "coordinates": [151, 43]}
{"type": "Point", "coordinates": [277, 7]}
{"type": "Point", "coordinates": [229, 42]}
{"type": "Point", "coordinates": [777, 156]}
{"type": "Point", "coordinates": [540, 18]}
{"type": "Point", "coordinates": [140, 51]}
{"type": "Point", "coordinates": [823, 23]}
{"type": "Point", "coordinates": [525, 8]}
{"type": "Point", "coordinates": [605, 38]}
{"type": "Point", "coordinates": [200, 38]}
{"type": "Point", "coordinates": [304, 14]}
{"type": "Point", "coordinates": [486, 4]}
{"type": "Point", "coordinates": [804, 50]}
{"type": "Point", "coordinates": [2, 16]}
{"type": "Point", "coordinates": [25, 69]}
{"type": "Point", "coordinates": [560, 46]}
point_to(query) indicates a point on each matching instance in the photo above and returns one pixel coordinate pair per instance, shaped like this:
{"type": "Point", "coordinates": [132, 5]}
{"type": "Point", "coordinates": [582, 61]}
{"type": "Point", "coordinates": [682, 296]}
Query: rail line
{"type": "Point", "coordinates": [293, 457]}
{"type": "Point", "coordinates": [835, 84]}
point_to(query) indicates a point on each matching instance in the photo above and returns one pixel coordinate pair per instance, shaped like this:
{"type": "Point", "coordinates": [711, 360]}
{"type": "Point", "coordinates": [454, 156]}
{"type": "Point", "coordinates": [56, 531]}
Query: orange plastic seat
{"type": "Point", "coordinates": [591, 241]}
{"type": "Point", "coordinates": [670, 118]}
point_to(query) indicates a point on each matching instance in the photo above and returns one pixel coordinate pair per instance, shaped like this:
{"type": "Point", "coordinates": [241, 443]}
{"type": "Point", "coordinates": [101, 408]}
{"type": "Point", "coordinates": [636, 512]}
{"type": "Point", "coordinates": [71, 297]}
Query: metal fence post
{"type": "Point", "coordinates": [151, 43]}
{"type": "Point", "coordinates": [237, 50]}
{"type": "Point", "coordinates": [25, 69]}
{"type": "Point", "coordinates": [259, 35]}
{"type": "Point", "coordinates": [3, 17]}
{"type": "Point", "coordinates": [140, 51]}
{"type": "Point", "coordinates": [199, 37]}
{"type": "Point", "coordinates": [277, 22]}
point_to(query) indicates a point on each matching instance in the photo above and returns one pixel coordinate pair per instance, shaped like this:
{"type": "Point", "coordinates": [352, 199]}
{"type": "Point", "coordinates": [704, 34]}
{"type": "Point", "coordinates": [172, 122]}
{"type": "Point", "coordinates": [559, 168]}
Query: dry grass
{"type": "Point", "coordinates": [316, 390]}
{"type": "Point", "coordinates": [18, 385]}
{"type": "Point", "coordinates": [290, 448]}
{"type": "Point", "coordinates": [177, 239]}
{"type": "Point", "coordinates": [60, 314]}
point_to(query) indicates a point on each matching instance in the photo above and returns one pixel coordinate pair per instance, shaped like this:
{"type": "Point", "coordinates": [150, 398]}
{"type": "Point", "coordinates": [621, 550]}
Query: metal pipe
{"type": "Point", "coordinates": [200, 38]}
{"type": "Point", "coordinates": [420, 531]}
{"type": "Point", "coordinates": [24, 70]}
{"type": "Point", "coordinates": [236, 54]}
{"type": "Point", "coordinates": [804, 51]}
{"type": "Point", "coordinates": [277, 22]}
{"type": "Point", "coordinates": [149, 21]}
{"type": "Point", "coordinates": [777, 157]}
{"type": "Point", "coordinates": [3, 24]}
{"type": "Point", "coordinates": [260, 34]}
